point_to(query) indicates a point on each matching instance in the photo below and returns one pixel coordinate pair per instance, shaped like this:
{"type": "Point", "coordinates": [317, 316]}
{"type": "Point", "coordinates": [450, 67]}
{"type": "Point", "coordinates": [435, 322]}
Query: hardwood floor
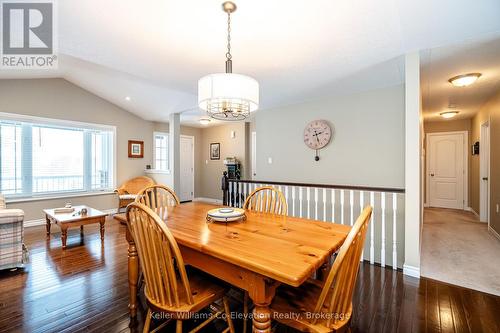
{"type": "Point", "coordinates": [85, 289]}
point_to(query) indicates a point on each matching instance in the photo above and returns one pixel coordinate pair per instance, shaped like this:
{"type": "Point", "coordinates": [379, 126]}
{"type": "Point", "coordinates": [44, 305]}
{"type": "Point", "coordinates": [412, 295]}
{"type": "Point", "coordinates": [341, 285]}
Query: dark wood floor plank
{"type": "Point", "coordinates": [433, 323]}
{"type": "Point", "coordinates": [85, 289]}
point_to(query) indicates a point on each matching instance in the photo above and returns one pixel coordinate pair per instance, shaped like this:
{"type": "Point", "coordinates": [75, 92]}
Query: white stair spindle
{"type": "Point", "coordinates": [394, 231]}
{"type": "Point", "coordinates": [361, 204]}
{"type": "Point", "coordinates": [316, 199]}
{"type": "Point", "coordinates": [324, 204]}
{"type": "Point", "coordinates": [342, 206]}
{"type": "Point", "coordinates": [300, 202]}
{"type": "Point", "coordinates": [308, 202]}
{"type": "Point", "coordinates": [293, 200]}
{"type": "Point", "coordinates": [372, 235]}
{"type": "Point", "coordinates": [333, 205]}
{"type": "Point", "coordinates": [351, 204]}
{"type": "Point", "coordinates": [286, 198]}
{"type": "Point", "coordinates": [382, 250]}
{"type": "Point", "coordinates": [240, 191]}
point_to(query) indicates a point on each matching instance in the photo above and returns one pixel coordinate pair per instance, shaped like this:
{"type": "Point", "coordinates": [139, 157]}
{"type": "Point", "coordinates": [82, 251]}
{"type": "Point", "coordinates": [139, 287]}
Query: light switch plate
{"type": "Point", "coordinates": [270, 160]}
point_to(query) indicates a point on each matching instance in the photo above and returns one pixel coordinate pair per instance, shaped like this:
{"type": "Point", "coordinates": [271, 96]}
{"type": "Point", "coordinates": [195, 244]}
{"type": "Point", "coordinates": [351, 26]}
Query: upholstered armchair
{"type": "Point", "coordinates": [13, 253]}
{"type": "Point", "coordinates": [128, 191]}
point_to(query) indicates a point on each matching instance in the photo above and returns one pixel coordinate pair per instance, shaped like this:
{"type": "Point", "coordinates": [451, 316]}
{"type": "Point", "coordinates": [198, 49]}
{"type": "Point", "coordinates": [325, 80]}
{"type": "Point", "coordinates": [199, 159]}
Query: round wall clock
{"type": "Point", "coordinates": [317, 135]}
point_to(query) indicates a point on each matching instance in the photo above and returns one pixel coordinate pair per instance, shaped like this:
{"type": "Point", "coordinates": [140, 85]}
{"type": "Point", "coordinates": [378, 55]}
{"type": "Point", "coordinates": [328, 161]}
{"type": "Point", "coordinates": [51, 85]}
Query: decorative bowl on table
{"type": "Point", "coordinates": [226, 215]}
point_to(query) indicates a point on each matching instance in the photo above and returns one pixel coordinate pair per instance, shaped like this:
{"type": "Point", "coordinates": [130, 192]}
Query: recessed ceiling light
{"type": "Point", "coordinates": [448, 114]}
{"type": "Point", "coordinates": [464, 80]}
{"type": "Point", "coordinates": [127, 98]}
{"type": "Point", "coordinates": [205, 121]}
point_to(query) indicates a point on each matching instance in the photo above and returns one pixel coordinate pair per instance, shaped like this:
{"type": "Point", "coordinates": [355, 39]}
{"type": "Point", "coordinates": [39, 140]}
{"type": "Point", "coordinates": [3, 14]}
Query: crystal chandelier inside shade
{"type": "Point", "coordinates": [228, 96]}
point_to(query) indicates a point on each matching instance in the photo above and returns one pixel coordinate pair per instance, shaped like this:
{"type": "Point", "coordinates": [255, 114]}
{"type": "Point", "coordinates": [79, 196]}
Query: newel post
{"type": "Point", "coordinates": [225, 189]}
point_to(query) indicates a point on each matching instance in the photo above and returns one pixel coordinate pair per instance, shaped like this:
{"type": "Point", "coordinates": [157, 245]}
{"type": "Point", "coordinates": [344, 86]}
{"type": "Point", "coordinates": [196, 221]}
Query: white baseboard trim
{"type": "Point", "coordinates": [34, 223]}
{"type": "Point", "coordinates": [39, 222]}
{"type": "Point", "coordinates": [411, 271]}
{"type": "Point", "coordinates": [494, 232]}
{"type": "Point", "coordinates": [469, 209]}
{"type": "Point", "coordinates": [209, 200]}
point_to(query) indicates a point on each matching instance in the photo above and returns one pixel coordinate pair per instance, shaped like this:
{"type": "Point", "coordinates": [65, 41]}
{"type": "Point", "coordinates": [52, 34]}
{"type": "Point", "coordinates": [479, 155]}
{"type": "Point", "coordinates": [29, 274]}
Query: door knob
{"type": "Point", "coordinates": [432, 175]}
{"type": "Point", "coordinates": [485, 178]}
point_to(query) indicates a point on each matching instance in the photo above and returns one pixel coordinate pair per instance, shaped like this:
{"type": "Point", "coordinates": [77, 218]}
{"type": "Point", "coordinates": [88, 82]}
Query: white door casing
{"type": "Point", "coordinates": [254, 155]}
{"type": "Point", "coordinates": [484, 172]}
{"type": "Point", "coordinates": [447, 169]}
{"type": "Point", "coordinates": [186, 192]}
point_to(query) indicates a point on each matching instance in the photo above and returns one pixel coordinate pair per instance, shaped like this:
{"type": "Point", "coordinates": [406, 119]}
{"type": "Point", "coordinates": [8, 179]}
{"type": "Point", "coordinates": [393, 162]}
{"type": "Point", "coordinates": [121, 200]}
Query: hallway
{"type": "Point", "coordinates": [458, 249]}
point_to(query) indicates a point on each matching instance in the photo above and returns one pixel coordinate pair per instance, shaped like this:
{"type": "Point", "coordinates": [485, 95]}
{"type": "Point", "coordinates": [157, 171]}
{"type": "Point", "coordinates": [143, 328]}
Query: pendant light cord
{"type": "Point", "coordinates": [229, 63]}
{"type": "Point", "coordinates": [228, 53]}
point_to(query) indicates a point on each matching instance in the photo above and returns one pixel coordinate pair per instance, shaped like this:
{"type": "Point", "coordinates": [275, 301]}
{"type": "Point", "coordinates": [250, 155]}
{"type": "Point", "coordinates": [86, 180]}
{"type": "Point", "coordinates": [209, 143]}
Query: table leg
{"type": "Point", "coordinates": [64, 236]}
{"type": "Point", "coordinates": [102, 229]}
{"type": "Point", "coordinates": [323, 271]}
{"type": "Point", "coordinates": [261, 318]}
{"type": "Point", "coordinates": [262, 294]}
{"type": "Point", "coordinates": [133, 272]}
{"type": "Point", "coordinates": [47, 225]}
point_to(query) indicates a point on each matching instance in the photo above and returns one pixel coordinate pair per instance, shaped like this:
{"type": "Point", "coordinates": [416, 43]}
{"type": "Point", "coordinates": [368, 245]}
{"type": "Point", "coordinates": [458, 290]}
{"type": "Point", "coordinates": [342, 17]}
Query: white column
{"type": "Point", "coordinates": [413, 206]}
{"type": "Point", "coordinates": [174, 151]}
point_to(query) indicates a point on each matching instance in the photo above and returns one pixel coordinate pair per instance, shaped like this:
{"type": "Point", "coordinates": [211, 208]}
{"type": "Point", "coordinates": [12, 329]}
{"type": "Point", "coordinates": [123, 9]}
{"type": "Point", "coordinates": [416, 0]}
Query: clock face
{"type": "Point", "coordinates": [317, 134]}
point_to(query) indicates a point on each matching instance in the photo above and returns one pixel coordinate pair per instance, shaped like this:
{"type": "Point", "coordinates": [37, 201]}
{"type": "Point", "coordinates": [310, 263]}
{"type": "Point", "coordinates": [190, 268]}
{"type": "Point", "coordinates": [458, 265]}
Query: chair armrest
{"type": "Point", "coordinates": [120, 191]}
{"type": "Point", "coordinates": [11, 216]}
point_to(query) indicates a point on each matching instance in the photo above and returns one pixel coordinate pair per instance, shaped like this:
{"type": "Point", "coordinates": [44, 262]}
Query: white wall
{"type": "Point", "coordinates": [60, 99]}
{"type": "Point", "coordinates": [367, 146]}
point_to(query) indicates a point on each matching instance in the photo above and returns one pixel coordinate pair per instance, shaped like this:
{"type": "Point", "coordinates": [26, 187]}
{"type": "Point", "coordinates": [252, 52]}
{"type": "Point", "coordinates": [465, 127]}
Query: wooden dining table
{"type": "Point", "coordinates": [256, 255]}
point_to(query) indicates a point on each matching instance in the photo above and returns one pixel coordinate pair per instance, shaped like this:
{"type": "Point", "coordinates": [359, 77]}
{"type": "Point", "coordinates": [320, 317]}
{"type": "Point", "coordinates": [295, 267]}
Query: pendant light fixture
{"type": "Point", "coordinates": [228, 96]}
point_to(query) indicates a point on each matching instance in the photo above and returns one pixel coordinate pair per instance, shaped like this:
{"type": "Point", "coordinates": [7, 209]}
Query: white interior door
{"type": "Point", "coordinates": [187, 168]}
{"type": "Point", "coordinates": [446, 170]}
{"type": "Point", "coordinates": [484, 161]}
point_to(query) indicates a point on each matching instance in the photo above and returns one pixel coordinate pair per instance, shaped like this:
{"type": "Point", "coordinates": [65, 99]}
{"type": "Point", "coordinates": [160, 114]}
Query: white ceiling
{"type": "Point", "coordinates": [155, 51]}
{"type": "Point", "coordinates": [440, 64]}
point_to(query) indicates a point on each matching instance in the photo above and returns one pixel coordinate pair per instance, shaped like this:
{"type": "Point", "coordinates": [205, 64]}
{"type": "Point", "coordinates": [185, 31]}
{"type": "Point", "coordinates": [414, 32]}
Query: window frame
{"type": "Point", "coordinates": [155, 168]}
{"type": "Point", "coordinates": [35, 120]}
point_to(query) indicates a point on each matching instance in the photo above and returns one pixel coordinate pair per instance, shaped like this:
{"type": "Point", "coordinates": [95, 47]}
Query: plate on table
{"type": "Point", "coordinates": [226, 215]}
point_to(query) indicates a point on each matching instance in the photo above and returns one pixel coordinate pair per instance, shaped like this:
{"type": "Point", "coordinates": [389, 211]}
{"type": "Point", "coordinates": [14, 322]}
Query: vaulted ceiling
{"type": "Point", "coordinates": [155, 51]}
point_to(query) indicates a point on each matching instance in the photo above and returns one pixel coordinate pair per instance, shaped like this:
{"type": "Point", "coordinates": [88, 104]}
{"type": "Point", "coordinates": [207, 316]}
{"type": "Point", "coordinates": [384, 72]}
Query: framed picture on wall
{"type": "Point", "coordinates": [215, 151]}
{"type": "Point", "coordinates": [135, 149]}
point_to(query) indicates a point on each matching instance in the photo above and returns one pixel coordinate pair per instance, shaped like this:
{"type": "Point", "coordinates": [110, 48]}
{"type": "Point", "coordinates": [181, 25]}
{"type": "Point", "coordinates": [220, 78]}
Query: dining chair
{"type": "Point", "coordinates": [325, 306]}
{"type": "Point", "coordinates": [266, 199]}
{"type": "Point", "coordinates": [158, 198]}
{"type": "Point", "coordinates": [168, 287]}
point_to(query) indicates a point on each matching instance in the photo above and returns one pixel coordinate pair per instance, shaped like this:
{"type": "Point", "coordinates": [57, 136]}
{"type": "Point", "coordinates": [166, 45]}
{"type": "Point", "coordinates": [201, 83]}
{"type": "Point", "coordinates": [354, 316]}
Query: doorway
{"type": "Point", "coordinates": [484, 172]}
{"type": "Point", "coordinates": [447, 169]}
{"type": "Point", "coordinates": [186, 192]}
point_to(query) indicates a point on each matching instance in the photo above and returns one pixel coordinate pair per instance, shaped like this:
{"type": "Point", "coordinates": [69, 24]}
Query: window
{"type": "Point", "coordinates": [161, 151]}
{"type": "Point", "coordinates": [45, 157]}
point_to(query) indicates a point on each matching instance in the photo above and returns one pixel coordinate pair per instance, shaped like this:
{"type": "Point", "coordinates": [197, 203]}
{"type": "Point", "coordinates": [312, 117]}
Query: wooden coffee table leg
{"type": "Point", "coordinates": [47, 225]}
{"type": "Point", "coordinates": [64, 236]}
{"type": "Point", "coordinates": [102, 229]}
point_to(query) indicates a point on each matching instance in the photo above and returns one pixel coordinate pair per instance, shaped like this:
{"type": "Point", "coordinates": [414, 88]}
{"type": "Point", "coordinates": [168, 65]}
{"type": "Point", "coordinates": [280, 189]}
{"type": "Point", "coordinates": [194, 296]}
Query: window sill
{"type": "Point", "coordinates": [55, 197]}
{"type": "Point", "coordinates": [154, 171]}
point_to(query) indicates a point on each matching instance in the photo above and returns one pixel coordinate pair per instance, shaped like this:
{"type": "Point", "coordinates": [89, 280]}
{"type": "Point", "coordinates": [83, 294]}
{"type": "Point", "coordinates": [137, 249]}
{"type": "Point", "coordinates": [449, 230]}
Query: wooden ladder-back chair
{"type": "Point", "coordinates": [168, 288]}
{"type": "Point", "coordinates": [329, 302]}
{"type": "Point", "coordinates": [266, 199]}
{"type": "Point", "coordinates": [158, 198]}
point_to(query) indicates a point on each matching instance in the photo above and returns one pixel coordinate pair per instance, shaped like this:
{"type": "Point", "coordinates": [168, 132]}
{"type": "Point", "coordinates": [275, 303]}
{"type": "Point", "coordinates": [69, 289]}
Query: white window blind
{"type": "Point", "coordinates": [44, 158]}
{"type": "Point", "coordinates": [161, 151]}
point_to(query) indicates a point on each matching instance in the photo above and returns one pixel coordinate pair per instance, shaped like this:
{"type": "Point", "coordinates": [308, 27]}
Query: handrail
{"type": "Point", "coordinates": [340, 187]}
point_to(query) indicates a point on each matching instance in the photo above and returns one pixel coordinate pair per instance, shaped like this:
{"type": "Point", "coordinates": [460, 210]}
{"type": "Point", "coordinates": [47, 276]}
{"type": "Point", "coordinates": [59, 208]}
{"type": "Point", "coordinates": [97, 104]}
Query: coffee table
{"type": "Point", "coordinates": [73, 219]}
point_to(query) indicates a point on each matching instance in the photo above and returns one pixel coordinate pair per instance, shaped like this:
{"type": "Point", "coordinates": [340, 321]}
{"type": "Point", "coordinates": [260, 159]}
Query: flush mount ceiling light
{"type": "Point", "coordinates": [464, 80]}
{"type": "Point", "coordinates": [127, 98]}
{"type": "Point", "coordinates": [228, 96]}
{"type": "Point", "coordinates": [448, 114]}
{"type": "Point", "coordinates": [205, 121]}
